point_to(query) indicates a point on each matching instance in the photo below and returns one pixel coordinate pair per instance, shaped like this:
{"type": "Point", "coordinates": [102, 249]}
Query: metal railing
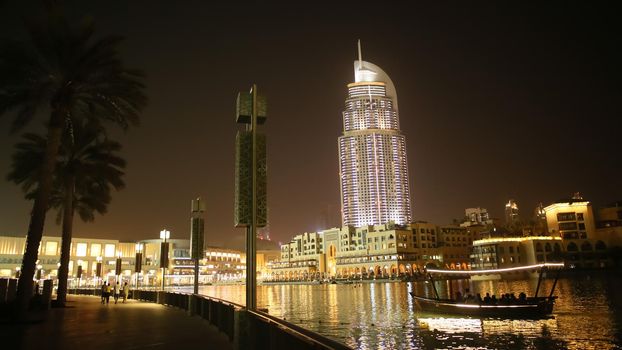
{"type": "Point", "coordinates": [269, 332]}
{"type": "Point", "coordinates": [254, 329]}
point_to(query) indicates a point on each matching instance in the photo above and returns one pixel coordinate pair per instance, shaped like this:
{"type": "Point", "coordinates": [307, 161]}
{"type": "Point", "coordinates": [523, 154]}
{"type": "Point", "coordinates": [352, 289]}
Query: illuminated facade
{"type": "Point", "coordinates": [217, 265]}
{"type": "Point", "coordinates": [370, 251]}
{"type": "Point", "coordinates": [476, 216]}
{"type": "Point", "coordinates": [455, 245]}
{"type": "Point", "coordinates": [571, 219]}
{"type": "Point", "coordinates": [86, 253]}
{"type": "Point", "coordinates": [511, 213]}
{"type": "Point", "coordinates": [372, 152]}
{"type": "Point", "coordinates": [514, 252]}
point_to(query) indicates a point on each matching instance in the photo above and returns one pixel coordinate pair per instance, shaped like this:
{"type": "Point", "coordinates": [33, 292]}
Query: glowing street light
{"type": "Point", "coordinates": [165, 234]}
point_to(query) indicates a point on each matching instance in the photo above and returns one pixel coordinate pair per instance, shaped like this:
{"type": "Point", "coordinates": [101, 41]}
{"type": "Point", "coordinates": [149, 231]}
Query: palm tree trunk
{"type": "Point", "coordinates": [37, 216]}
{"type": "Point", "coordinates": [65, 253]}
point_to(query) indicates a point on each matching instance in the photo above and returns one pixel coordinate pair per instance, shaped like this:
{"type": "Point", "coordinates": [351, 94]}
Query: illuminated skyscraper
{"type": "Point", "coordinates": [511, 212]}
{"type": "Point", "coordinates": [372, 152]}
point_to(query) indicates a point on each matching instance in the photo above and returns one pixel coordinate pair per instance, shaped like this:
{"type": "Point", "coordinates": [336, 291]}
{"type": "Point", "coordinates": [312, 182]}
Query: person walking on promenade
{"type": "Point", "coordinates": [108, 290]}
{"type": "Point", "coordinates": [116, 292]}
{"type": "Point", "coordinates": [126, 292]}
{"type": "Point", "coordinates": [103, 293]}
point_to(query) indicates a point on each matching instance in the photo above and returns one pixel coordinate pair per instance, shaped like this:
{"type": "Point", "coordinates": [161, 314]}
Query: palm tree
{"type": "Point", "coordinates": [86, 171]}
{"type": "Point", "coordinates": [70, 75]}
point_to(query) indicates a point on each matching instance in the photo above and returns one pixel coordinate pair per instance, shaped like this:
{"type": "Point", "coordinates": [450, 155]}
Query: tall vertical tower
{"type": "Point", "coordinates": [373, 171]}
{"type": "Point", "coordinates": [511, 212]}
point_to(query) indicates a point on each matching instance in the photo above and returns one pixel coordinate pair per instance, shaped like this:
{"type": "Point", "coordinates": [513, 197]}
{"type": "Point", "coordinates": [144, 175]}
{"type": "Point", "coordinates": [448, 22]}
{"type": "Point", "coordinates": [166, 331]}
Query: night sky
{"type": "Point", "coordinates": [497, 101]}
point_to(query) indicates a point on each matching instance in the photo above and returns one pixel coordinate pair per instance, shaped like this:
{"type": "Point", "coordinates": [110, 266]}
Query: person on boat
{"type": "Point", "coordinates": [487, 298]}
{"type": "Point", "coordinates": [493, 299]}
{"type": "Point", "coordinates": [459, 298]}
{"type": "Point", "coordinates": [479, 298]}
{"type": "Point", "coordinates": [513, 298]}
{"type": "Point", "coordinates": [522, 297]}
{"type": "Point", "coordinates": [469, 296]}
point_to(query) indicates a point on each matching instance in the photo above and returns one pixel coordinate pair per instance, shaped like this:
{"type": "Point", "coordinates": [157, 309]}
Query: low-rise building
{"type": "Point", "coordinates": [510, 252]}
{"type": "Point", "coordinates": [93, 260]}
{"type": "Point", "coordinates": [455, 245]}
{"type": "Point", "coordinates": [573, 221]}
{"type": "Point", "coordinates": [363, 252]}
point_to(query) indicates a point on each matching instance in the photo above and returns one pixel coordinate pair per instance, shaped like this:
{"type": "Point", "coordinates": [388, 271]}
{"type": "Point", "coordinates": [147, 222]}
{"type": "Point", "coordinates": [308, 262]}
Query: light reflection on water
{"type": "Point", "coordinates": [382, 315]}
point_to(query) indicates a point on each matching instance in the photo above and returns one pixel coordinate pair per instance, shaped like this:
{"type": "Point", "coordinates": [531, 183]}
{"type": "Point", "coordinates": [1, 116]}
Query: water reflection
{"type": "Point", "coordinates": [371, 316]}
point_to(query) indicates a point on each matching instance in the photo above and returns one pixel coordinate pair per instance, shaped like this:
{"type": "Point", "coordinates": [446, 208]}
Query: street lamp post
{"type": "Point", "coordinates": [250, 182]}
{"type": "Point", "coordinates": [117, 269]}
{"type": "Point", "coordinates": [197, 225]}
{"type": "Point", "coordinates": [98, 268]}
{"type": "Point", "coordinates": [164, 235]}
{"type": "Point", "coordinates": [139, 262]}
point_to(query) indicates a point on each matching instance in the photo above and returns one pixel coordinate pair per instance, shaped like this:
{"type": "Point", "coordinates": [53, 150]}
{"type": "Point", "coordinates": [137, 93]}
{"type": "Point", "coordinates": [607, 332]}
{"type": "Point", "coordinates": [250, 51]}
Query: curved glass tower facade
{"type": "Point", "coordinates": [373, 170]}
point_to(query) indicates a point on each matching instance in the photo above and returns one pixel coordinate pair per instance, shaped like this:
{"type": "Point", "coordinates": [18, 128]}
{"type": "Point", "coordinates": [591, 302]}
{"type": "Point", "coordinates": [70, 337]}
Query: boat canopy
{"type": "Point", "coordinates": [492, 271]}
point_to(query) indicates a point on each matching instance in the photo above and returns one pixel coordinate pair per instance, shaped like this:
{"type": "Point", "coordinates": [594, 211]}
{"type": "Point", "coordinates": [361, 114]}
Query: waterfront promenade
{"type": "Point", "coordinates": [87, 324]}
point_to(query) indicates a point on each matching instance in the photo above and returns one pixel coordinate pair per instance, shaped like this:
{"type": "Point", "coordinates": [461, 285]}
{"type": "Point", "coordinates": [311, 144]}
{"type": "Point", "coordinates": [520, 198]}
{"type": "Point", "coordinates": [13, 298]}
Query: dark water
{"type": "Point", "coordinates": [587, 315]}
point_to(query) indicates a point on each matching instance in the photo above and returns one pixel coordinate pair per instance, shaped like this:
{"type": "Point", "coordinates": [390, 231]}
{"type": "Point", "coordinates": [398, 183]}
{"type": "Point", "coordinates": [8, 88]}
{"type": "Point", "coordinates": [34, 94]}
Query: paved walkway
{"type": "Point", "coordinates": [87, 325]}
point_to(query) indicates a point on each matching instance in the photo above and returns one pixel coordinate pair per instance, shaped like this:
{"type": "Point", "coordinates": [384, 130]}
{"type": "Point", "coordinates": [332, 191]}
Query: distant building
{"type": "Point", "coordinates": [363, 252]}
{"type": "Point", "coordinates": [87, 253]}
{"type": "Point", "coordinates": [218, 264]}
{"type": "Point", "coordinates": [511, 213]}
{"type": "Point", "coordinates": [476, 216]}
{"type": "Point", "coordinates": [508, 252]}
{"type": "Point", "coordinates": [221, 264]}
{"type": "Point", "coordinates": [573, 221]}
{"type": "Point", "coordinates": [539, 219]}
{"type": "Point", "coordinates": [609, 224]}
{"type": "Point", "coordinates": [610, 215]}
{"type": "Point", "coordinates": [302, 258]}
{"type": "Point", "coordinates": [455, 245]}
{"type": "Point", "coordinates": [373, 170]}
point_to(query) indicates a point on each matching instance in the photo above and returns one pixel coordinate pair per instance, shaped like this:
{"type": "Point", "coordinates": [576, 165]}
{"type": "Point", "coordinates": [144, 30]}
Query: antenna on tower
{"type": "Point", "coordinates": [360, 55]}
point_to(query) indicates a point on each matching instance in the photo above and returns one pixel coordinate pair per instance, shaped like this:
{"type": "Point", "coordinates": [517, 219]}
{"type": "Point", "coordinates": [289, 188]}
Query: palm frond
{"type": "Point", "coordinates": [86, 155]}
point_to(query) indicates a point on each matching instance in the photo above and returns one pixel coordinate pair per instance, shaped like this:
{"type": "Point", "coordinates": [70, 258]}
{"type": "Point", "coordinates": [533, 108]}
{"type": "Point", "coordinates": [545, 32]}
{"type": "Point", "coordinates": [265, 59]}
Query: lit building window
{"type": "Point", "coordinates": [109, 250]}
{"type": "Point", "coordinates": [51, 248]}
{"type": "Point", "coordinates": [81, 249]}
{"type": "Point", "coordinates": [96, 249]}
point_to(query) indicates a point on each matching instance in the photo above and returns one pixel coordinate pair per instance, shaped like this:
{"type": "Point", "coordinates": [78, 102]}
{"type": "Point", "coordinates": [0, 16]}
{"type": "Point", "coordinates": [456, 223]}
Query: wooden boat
{"type": "Point", "coordinates": [531, 307]}
{"type": "Point", "coordinates": [342, 281]}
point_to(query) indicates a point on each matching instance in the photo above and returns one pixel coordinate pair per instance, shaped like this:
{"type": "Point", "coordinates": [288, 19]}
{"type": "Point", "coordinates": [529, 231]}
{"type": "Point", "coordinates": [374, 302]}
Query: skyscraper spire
{"type": "Point", "coordinates": [360, 55]}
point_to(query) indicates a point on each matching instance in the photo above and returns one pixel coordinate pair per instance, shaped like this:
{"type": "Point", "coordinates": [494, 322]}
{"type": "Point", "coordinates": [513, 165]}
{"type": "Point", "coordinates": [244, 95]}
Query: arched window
{"type": "Point", "coordinates": [547, 247]}
{"type": "Point", "coordinates": [600, 245]}
{"type": "Point", "coordinates": [586, 246]}
{"type": "Point", "coordinates": [557, 248]}
{"type": "Point", "coordinates": [572, 247]}
{"type": "Point", "coordinates": [538, 247]}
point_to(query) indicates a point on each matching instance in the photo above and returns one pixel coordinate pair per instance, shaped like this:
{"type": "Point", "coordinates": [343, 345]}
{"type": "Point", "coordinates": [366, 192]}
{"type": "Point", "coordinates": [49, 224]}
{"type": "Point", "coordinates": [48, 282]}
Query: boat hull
{"type": "Point", "coordinates": [532, 308]}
